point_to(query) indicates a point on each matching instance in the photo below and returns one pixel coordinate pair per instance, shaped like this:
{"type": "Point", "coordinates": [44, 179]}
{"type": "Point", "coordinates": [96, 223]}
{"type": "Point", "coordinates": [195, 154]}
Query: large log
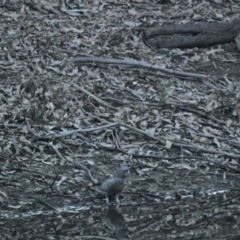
{"type": "Point", "coordinates": [191, 35]}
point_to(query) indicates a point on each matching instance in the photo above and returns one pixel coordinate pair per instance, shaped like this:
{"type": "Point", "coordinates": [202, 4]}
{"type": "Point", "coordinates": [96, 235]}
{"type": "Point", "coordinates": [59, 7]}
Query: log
{"type": "Point", "coordinates": [191, 35]}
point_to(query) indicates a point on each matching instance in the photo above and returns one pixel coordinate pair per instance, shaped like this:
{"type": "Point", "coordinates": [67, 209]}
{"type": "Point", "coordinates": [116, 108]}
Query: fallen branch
{"type": "Point", "coordinates": [68, 133]}
{"type": "Point", "coordinates": [57, 152]}
{"type": "Point", "coordinates": [175, 143]}
{"type": "Point", "coordinates": [141, 132]}
{"type": "Point", "coordinates": [131, 62]}
{"type": "Point", "coordinates": [94, 97]}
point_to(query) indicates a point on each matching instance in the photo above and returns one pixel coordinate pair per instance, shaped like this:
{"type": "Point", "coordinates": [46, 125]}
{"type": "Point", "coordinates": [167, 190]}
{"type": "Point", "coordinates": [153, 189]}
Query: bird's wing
{"type": "Point", "coordinates": [112, 186]}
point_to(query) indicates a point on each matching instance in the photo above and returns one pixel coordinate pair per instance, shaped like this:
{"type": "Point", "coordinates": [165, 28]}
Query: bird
{"type": "Point", "coordinates": [114, 185]}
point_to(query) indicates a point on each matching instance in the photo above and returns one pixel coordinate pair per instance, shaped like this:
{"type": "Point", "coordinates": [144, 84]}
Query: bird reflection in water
{"type": "Point", "coordinates": [114, 220]}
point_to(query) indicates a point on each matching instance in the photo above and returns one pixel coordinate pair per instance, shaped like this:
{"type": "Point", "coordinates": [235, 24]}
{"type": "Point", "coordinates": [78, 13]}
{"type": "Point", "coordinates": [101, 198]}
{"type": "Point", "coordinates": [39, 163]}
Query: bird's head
{"type": "Point", "coordinates": [121, 172]}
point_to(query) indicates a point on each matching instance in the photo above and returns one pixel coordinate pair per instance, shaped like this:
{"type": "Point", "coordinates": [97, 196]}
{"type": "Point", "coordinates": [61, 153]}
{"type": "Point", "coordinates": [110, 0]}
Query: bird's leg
{"type": "Point", "coordinates": [107, 200]}
{"type": "Point", "coordinates": [117, 200]}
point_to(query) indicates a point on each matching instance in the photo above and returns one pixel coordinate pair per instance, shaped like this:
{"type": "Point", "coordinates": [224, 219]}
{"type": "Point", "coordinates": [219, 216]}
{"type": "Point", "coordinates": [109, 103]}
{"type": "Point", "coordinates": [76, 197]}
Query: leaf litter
{"type": "Point", "coordinates": [81, 94]}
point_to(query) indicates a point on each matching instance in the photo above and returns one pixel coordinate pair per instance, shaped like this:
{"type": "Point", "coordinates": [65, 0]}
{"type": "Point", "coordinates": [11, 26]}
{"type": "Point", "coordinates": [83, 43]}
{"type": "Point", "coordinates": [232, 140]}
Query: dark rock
{"type": "Point", "coordinates": [113, 186]}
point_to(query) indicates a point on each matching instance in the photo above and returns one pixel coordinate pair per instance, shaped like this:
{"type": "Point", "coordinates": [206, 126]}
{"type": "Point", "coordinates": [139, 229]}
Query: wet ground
{"type": "Point", "coordinates": [187, 212]}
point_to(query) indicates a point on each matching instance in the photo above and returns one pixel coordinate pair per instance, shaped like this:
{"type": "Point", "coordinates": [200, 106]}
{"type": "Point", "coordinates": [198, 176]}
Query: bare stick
{"type": "Point", "coordinates": [128, 61]}
{"type": "Point", "coordinates": [94, 97]}
{"type": "Point", "coordinates": [68, 133]}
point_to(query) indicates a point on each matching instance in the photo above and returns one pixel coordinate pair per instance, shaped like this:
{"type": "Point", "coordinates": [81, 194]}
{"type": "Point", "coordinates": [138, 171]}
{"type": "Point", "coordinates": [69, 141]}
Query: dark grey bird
{"type": "Point", "coordinates": [113, 186]}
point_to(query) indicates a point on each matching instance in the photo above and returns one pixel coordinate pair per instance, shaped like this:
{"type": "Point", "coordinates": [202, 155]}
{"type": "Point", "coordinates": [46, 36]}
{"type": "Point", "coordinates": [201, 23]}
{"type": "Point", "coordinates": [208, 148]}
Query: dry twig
{"type": "Point", "coordinates": [130, 62]}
